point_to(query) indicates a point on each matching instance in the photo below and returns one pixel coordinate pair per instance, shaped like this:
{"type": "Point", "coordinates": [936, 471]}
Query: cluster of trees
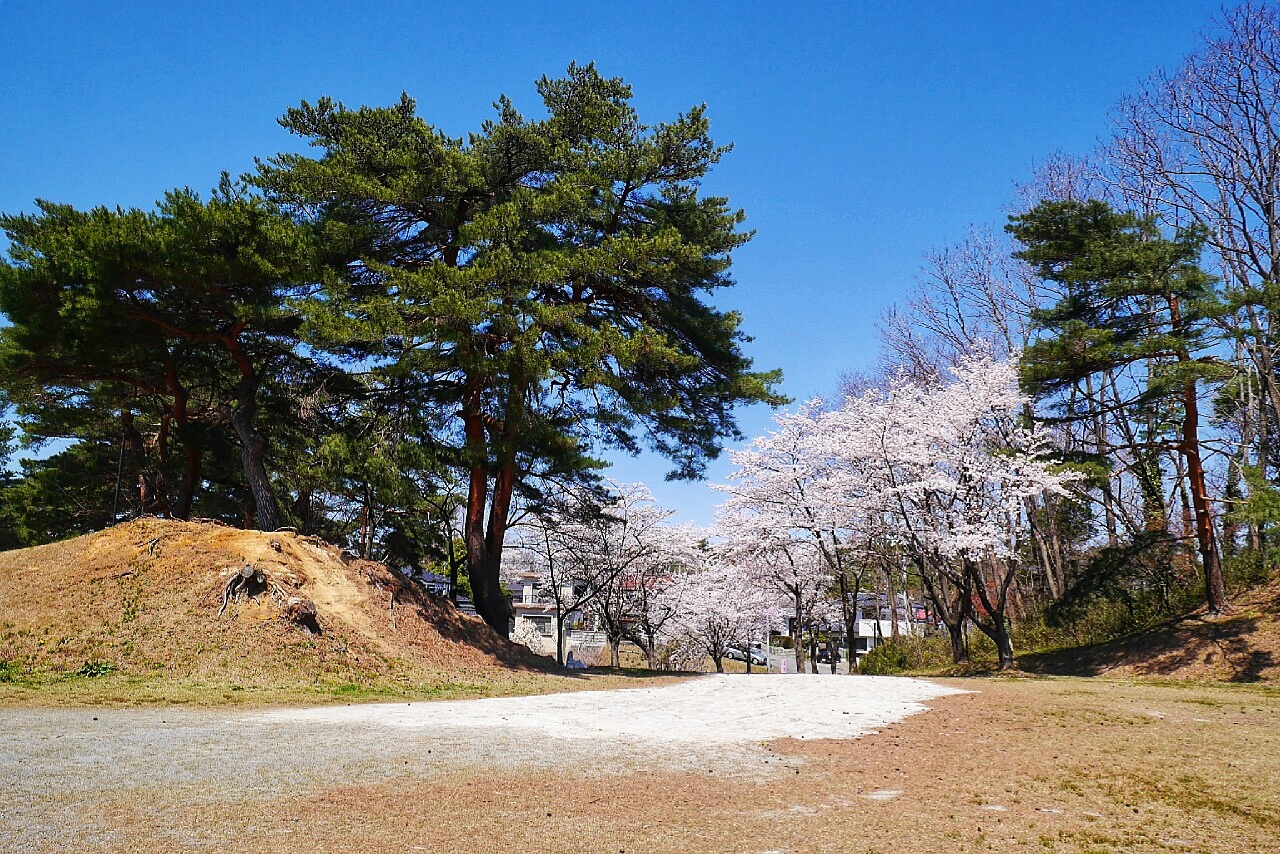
{"type": "Point", "coordinates": [1074, 416]}
{"type": "Point", "coordinates": [404, 333]}
{"type": "Point", "coordinates": [1136, 288]}
{"type": "Point", "coordinates": [939, 475]}
{"type": "Point", "coordinates": [679, 594]}
{"type": "Point", "coordinates": [608, 554]}
{"type": "Point", "coordinates": [409, 341]}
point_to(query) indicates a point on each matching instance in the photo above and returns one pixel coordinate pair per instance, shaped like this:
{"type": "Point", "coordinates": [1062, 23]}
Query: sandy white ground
{"type": "Point", "coordinates": [712, 710]}
{"type": "Point", "coordinates": [58, 767]}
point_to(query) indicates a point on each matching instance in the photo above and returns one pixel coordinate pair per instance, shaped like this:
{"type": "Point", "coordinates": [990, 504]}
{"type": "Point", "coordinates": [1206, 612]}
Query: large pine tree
{"type": "Point", "coordinates": [188, 316]}
{"type": "Point", "coordinates": [1130, 296]}
{"type": "Point", "coordinates": [543, 281]}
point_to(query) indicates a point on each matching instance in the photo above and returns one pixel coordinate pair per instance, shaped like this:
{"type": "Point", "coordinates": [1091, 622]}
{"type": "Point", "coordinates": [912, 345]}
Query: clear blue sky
{"type": "Point", "coordinates": [866, 134]}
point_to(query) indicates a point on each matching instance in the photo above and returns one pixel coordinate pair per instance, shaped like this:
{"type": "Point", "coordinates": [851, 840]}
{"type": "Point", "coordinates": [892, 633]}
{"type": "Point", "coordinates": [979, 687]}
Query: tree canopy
{"type": "Point", "coordinates": [185, 318]}
{"type": "Point", "coordinates": [542, 281]}
{"type": "Point", "coordinates": [403, 314]}
{"type": "Point", "coordinates": [1130, 296]}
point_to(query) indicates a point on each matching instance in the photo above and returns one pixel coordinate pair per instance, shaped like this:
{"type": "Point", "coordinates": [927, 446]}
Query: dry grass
{"type": "Point", "coordinates": [131, 616]}
{"type": "Point", "coordinates": [1241, 646]}
{"type": "Point", "coordinates": [115, 690]}
{"type": "Point", "coordinates": [1063, 764]}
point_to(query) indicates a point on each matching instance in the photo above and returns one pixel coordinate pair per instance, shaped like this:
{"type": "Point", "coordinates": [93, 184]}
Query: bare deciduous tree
{"type": "Point", "coordinates": [1201, 145]}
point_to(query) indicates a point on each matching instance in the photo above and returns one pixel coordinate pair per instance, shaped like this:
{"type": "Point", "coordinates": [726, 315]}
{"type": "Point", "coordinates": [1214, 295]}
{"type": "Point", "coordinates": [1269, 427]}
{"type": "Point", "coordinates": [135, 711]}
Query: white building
{"type": "Point", "coordinates": [534, 621]}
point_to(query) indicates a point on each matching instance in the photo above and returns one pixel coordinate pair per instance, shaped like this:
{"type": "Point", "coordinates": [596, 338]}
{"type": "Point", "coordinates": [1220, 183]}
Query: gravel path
{"type": "Point", "coordinates": [57, 767]}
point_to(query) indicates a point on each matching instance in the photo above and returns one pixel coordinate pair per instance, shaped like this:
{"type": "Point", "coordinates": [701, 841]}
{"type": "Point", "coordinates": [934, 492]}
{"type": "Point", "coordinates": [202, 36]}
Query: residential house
{"type": "Point", "coordinates": [533, 621]}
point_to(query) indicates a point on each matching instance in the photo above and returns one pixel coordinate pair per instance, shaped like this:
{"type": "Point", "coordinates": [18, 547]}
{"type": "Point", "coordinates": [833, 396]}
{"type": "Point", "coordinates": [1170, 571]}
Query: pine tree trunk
{"type": "Point", "coordinates": [491, 604]}
{"type": "Point", "coordinates": [483, 564]}
{"type": "Point", "coordinates": [1214, 583]}
{"type": "Point", "coordinates": [190, 452]}
{"type": "Point", "coordinates": [190, 477]}
{"type": "Point", "coordinates": [1046, 553]}
{"type": "Point", "coordinates": [253, 455]}
{"type": "Point", "coordinates": [485, 542]}
{"type": "Point", "coordinates": [1100, 447]}
{"type": "Point", "coordinates": [253, 443]}
{"type": "Point", "coordinates": [135, 458]}
{"type": "Point", "coordinates": [302, 511]}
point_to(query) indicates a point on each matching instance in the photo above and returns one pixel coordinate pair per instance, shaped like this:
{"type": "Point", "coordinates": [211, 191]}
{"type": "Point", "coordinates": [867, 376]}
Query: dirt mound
{"type": "Point", "coordinates": [201, 600]}
{"type": "Point", "coordinates": [1242, 646]}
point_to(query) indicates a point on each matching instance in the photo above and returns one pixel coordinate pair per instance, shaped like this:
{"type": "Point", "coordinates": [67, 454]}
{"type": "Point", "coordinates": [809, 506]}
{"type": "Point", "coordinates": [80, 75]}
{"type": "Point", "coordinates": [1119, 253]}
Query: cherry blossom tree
{"type": "Point", "coordinates": [717, 604]}
{"type": "Point", "coordinates": [545, 551]}
{"type": "Point", "coordinates": [956, 465]}
{"type": "Point", "coordinates": [610, 554]}
{"type": "Point", "coordinates": [795, 484]}
{"type": "Point", "coordinates": [787, 569]}
{"type": "Point", "coordinates": [941, 471]}
{"type": "Point", "coordinates": [649, 603]}
{"type": "Point", "coordinates": [637, 554]}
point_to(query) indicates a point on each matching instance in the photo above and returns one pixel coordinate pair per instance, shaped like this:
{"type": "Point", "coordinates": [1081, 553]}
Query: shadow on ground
{"type": "Point", "coordinates": [1235, 648]}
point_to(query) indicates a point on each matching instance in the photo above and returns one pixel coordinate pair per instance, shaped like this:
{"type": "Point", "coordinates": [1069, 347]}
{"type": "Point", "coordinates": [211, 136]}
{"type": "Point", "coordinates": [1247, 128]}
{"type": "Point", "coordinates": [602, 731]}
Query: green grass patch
{"type": "Point", "coordinates": [11, 672]}
{"type": "Point", "coordinates": [94, 669]}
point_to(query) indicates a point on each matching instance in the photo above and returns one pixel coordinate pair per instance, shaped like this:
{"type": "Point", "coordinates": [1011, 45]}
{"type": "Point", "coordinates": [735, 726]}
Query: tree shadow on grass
{"type": "Point", "coordinates": [1226, 647]}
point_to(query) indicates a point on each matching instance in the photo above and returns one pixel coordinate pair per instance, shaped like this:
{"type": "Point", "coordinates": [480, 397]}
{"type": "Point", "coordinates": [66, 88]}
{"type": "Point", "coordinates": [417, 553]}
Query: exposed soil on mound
{"type": "Point", "coordinates": [163, 597]}
{"type": "Point", "coordinates": [1241, 646]}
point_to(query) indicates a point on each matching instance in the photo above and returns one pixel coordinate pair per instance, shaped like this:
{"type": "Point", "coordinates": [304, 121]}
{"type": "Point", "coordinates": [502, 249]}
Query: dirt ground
{"type": "Point", "coordinates": [93, 628]}
{"type": "Point", "coordinates": [1050, 764]}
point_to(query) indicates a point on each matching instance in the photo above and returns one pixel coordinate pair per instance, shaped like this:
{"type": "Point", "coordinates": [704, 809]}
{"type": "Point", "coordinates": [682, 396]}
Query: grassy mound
{"type": "Point", "coordinates": [155, 599]}
{"type": "Point", "coordinates": [1241, 646]}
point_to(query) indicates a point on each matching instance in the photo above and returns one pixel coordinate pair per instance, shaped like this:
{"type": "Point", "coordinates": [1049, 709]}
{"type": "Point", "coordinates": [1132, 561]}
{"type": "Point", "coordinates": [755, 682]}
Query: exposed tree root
{"type": "Point", "coordinates": [251, 582]}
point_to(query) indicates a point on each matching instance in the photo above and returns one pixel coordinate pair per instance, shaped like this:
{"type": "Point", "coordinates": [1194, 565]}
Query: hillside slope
{"type": "Point", "coordinates": [1242, 646]}
{"type": "Point", "coordinates": [151, 598]}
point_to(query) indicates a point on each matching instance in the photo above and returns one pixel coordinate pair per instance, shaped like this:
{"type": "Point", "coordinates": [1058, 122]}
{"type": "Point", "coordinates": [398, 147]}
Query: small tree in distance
{"type": "Point", "coordinates": [611, 556]}
{"type": "Point", "coordinates": [718, 604]}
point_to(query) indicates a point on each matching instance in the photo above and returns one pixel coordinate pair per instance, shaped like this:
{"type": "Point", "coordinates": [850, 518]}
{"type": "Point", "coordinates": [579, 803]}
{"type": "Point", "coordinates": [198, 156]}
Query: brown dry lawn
{"type": "Point", "coordinates": [1025, 764]}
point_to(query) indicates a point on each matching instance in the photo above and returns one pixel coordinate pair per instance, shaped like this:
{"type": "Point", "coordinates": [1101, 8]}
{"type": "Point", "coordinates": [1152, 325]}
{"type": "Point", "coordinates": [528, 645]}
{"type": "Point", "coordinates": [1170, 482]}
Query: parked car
{"type": "Point", "coordinates": [739, 654]}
